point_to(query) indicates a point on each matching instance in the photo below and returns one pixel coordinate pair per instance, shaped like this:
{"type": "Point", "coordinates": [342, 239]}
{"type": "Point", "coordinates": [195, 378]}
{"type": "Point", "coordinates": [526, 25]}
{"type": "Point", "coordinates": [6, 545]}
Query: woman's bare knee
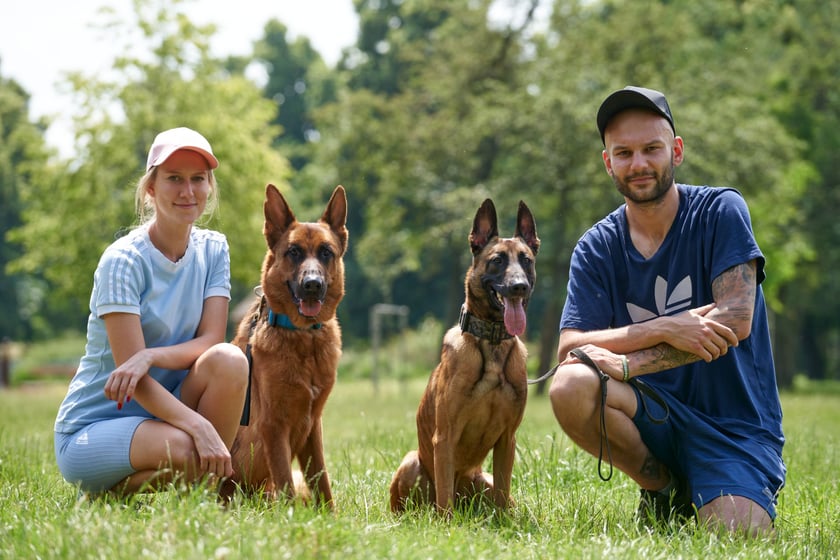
{"type": "Point", "coordinates": [157, 445]}
{"type": "Point", "coordinates": [225, 359]}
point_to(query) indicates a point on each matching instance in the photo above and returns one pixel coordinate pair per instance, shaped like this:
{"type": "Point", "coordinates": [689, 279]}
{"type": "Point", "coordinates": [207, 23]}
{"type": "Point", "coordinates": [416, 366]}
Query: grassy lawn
{"type": "Point", "coordinates": [563, 509]}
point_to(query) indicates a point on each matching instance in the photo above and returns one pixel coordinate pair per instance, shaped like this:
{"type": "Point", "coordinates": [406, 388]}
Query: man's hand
{"type": "Point", "coordinates": [609, 362]}
{"type": "Point", "coordinates": [694, 332]}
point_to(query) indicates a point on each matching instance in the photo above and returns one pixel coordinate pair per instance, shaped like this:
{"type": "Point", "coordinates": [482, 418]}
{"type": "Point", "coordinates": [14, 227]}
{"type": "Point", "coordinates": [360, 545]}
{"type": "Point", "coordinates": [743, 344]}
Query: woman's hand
{"type": "Point", "coordinates": [123, 381]}
{"type": "Point", "coordinates": [213, 455]}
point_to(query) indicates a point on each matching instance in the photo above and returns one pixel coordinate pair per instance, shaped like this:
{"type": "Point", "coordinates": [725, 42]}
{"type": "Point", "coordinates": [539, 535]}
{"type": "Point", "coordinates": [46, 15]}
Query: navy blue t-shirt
{"type": "Point", "coordinates": [612, 285]}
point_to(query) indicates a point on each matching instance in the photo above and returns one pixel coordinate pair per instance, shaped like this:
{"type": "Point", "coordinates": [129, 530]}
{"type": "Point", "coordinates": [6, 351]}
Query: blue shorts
{"type": "Point", "coordinates": [713, 462]}
{"type": "Point", "coordinates": [96, 457]}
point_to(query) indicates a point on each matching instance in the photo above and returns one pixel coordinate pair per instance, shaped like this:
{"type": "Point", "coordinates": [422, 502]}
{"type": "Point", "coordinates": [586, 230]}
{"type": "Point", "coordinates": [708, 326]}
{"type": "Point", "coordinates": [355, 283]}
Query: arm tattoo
{"type": "Point", "coordinates": [734, 291]}
{"type": "Point", "coordinates": [664, 356]}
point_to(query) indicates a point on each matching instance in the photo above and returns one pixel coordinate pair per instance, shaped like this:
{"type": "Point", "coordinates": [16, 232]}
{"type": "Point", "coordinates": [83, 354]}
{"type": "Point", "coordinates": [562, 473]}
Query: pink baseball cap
{"type": "Point", "coordinates": [169, 141]}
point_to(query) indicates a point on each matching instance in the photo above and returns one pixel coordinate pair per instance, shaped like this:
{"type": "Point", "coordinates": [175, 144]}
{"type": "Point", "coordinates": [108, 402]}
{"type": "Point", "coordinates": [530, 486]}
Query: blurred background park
{"type": "Point", "coordinates": [437, 105]}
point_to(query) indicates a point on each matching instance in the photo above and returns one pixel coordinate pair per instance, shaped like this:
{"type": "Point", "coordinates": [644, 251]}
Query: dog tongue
{"type": "Point", "coordinates": [514, 316]}
{"type": "Point", "coordinates": [310, 308]}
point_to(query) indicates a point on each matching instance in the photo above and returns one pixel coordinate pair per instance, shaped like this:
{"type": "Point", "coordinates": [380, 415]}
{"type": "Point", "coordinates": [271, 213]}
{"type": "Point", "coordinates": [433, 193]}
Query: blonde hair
{"type": "Point", "coordinates": [144, 206]}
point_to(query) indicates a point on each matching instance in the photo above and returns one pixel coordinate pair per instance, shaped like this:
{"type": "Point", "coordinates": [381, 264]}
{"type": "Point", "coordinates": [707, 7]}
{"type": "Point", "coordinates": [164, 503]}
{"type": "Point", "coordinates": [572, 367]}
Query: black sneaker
{"type": "Point", "coordinates": [656, 508]}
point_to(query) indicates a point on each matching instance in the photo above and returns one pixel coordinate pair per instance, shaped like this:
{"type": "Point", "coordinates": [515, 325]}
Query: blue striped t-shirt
{"type": "Point", "coordinates": [134, 277]}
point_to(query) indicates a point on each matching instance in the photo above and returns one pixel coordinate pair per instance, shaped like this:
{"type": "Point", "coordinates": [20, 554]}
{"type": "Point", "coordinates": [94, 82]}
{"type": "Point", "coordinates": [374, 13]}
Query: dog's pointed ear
{"type": "Point", "coordinates": [485, 226]}
{"type": "Point", "coordinates": [278, 215]}
{"type": "Point", "coordinates": [335, 215]}
{"type": "Point", "coordinates": [526, 227]}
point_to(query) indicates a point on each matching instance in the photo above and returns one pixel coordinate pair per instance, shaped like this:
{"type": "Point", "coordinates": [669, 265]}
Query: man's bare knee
{"type": "Point", "coordinates": [572, 383]}
{"type": "Point", "coordinates": [572, 394]}
{"type": "Point", "coordinates": [736, 514]}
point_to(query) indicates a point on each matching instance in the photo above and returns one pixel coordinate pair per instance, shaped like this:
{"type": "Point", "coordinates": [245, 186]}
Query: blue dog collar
{"type": "Point", "coordinates": [281, 320]}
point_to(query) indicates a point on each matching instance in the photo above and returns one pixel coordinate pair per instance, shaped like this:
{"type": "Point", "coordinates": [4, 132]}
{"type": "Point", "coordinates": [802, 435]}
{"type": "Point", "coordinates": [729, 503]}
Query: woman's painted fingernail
{"type": "Point", "coordinates": [128, 399]}
{"type": "Point", "coordinates": [119, 406]}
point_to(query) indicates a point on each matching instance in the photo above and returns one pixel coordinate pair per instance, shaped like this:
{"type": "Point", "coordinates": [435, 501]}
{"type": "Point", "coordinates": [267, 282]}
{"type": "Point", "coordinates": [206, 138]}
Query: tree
{"type": "Point", "coordinates": [70, 217]}
{"type": "Point", "coordinates": [417, 137]}
{"type": "Point", "coordinates": [23, 159]}
{"type": "Point", "coordinates": [591, 49]}
{"type": "Point", "coordinates": [439, 116]}
{"type": "Point", "coordinates": [298, 82]}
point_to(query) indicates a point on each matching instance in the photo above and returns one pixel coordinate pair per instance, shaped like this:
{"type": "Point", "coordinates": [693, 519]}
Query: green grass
{"type": "Point", "coordinates": [563, 509]}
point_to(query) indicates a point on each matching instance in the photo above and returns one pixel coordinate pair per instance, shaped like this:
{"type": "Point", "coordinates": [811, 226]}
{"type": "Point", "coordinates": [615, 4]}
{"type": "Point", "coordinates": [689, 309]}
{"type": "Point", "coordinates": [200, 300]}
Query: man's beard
{"type": "Point", "coordinates": [663, 184]}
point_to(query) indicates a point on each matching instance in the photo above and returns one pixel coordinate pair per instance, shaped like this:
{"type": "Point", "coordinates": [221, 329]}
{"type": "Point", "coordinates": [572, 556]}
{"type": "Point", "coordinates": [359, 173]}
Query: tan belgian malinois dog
{"type": "Point", "coordinates": [292, 337]}
{"type": "Point", "coordinates": [476, 396]}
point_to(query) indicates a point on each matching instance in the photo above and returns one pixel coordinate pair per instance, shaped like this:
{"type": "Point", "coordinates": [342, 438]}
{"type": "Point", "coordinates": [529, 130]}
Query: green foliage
{"type": "Point", "coordinates": [23, 160]}
{"type": "Point", "coordinates": [562, 509]}
{"type": "Point", "coordinates": [39, 361]}
{"type": "Point", "coordinates": [70, 217]}
{"type": "Point", "coordinates": [298, 82]}
{"type": "Point", "coordinates": [439, 105]}
{"type": "Point", "coordinates": [418, 141]}
{"type": "Point", "coordinates": [446, 107]}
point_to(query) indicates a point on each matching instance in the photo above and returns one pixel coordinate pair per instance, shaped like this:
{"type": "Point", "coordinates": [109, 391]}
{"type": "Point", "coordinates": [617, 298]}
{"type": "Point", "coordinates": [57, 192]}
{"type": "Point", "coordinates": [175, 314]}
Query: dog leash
{"type": "Point", "coordinates": [246, 407]}
{"type": "Point", "coordinates": [604, 442]}
{"type": "Point", "coordinates": [544, 376]}
{"type": "Point", "coordinates": [644, 389]}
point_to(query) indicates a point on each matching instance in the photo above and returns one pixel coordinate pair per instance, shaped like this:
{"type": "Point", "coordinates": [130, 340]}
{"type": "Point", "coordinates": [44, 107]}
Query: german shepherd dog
{"type": "Point", "coordinates": [294, 341]}
{"type": "Point", "coordinates": [475, 398]}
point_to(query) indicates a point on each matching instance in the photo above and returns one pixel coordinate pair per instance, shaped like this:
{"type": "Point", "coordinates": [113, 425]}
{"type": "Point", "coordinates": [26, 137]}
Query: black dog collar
{"type": "Point", "coordinates": [493, 331]}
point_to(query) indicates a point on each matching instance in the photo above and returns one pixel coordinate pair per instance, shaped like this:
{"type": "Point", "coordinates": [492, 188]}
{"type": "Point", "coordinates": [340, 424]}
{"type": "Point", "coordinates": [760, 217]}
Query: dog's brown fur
{"type": "Point", "coordinates": [476, 396]}
{"type": "Point", "coordinates": [294, 367]}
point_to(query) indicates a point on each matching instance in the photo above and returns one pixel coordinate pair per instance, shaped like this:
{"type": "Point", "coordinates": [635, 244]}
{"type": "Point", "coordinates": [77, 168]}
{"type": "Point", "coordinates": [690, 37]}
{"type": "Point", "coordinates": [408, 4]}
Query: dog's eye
{"type": "Point", "coordinates": [498, 260]}
{"type": "Point", "coordinates": [325, 253]}
{"type": "Point", "coordinates": [294, 253]}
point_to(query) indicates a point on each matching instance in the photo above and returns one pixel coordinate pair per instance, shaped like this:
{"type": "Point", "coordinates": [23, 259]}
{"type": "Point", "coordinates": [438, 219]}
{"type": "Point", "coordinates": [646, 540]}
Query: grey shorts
{"type": "Point", "coordinates": [96, 457]}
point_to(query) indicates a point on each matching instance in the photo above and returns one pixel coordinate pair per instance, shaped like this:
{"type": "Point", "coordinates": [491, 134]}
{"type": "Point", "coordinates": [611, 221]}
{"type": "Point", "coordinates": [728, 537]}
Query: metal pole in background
{"type": "Point", "coordinates": [5, 363]}
{"type": "Point", "coordinates": [376, 313]}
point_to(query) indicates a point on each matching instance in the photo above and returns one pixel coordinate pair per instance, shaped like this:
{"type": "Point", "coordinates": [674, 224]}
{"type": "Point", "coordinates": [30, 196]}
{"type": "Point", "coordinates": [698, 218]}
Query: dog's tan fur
{"type": "Point", "coordinates": [476, 396]}
{"type": "Point", "coordinates": [293, 369]}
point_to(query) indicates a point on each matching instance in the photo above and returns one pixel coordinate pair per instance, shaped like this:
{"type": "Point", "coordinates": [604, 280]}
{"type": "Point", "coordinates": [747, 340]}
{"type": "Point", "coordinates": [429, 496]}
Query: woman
{"type": "Point", "coordinates": [158, 393]}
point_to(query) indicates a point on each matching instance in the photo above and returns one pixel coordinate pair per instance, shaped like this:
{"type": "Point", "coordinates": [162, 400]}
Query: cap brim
{"type": "Point", "coordinates": [167, 153]}
{"type": "Point", "coordinates": [628, 99]}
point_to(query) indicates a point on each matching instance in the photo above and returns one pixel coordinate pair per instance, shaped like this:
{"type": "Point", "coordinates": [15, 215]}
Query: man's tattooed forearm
{"type": "Point", "coordinates": [664, 356]}
{"type": "Point", "coordinates": [734, 290]}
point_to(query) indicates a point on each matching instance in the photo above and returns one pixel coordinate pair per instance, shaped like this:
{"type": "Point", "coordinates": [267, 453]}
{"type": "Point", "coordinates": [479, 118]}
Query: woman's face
{"type": "Point", "coordinates": [181, 188]}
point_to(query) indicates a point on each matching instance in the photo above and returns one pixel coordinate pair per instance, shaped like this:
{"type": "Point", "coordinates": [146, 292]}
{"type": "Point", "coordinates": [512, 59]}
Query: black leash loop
{"type": "Point", "coordinates": [605, 442]}
{"type": "Point", "coordinates": [645, 390]}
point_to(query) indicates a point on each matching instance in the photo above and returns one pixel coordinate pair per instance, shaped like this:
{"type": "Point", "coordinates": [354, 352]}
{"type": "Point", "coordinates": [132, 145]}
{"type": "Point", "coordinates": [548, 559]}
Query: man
{"type": "Point", "coordinates": [666, 290]}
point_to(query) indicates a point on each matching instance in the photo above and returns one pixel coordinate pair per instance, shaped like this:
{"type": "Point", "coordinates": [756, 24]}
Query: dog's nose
{"type": "Point", "coordinates": [518, 289]}
{"type": "Point", "coordinates": [313, 284]}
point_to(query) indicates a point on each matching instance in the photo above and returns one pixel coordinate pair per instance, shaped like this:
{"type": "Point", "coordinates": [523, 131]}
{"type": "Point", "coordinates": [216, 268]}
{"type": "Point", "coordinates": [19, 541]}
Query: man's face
{"type": "Point", "coordinates": [641, 155]}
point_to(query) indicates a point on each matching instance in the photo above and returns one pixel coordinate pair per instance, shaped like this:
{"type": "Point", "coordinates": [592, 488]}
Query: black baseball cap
{"type": "Point", "coordinates": [633, 97]}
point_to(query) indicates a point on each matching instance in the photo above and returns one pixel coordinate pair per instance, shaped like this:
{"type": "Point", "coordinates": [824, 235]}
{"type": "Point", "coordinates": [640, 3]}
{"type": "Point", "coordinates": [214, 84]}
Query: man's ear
{"type": "Point", "coordinates": [679, 150]}
{"type": "Point", "coordinates": [607, 162]}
